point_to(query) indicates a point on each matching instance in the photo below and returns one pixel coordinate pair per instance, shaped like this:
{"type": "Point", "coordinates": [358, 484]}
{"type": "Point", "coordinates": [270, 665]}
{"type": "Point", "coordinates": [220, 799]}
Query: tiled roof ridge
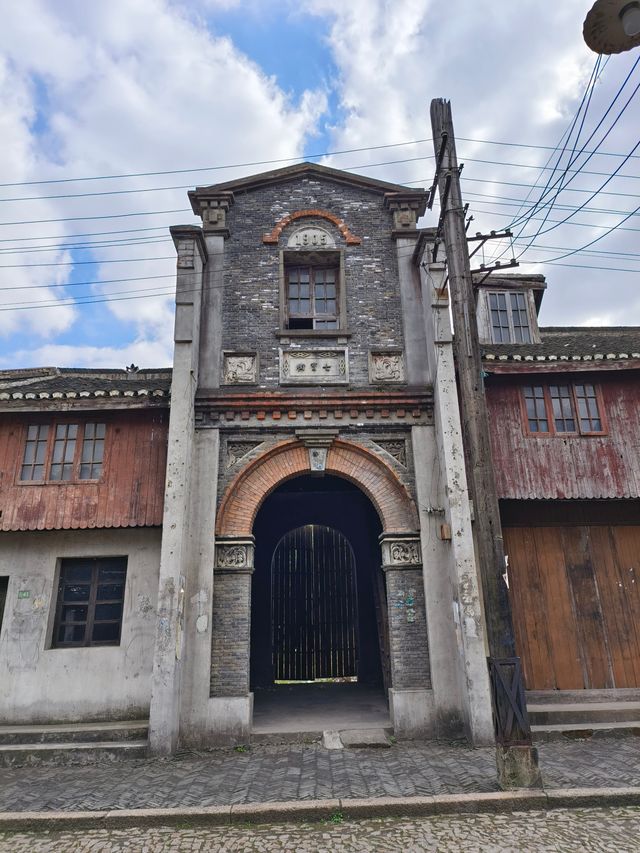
{"type": "Point", "coordinates": [589, 329]}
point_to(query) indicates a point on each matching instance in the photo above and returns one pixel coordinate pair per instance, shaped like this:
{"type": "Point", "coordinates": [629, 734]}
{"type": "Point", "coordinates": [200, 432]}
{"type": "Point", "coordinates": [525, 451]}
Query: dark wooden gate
{"type": "Point", "coordinates": [314, 606]}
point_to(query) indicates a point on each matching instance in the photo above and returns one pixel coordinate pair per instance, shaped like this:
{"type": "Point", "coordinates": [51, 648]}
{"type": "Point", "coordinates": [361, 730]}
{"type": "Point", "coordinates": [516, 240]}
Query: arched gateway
{"type": "Point", "coordinates": [330, 535]}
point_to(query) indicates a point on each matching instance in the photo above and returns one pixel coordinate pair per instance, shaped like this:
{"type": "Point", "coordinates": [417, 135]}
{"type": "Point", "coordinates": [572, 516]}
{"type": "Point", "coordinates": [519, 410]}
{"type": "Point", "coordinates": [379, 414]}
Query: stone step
{"type": "Point", "coordinates": [120, 730]}
{"type": "Point", "coordinates": [581, 697]}
{"type": "Point", "coordinates": [32, 754]}
{"type": "Point", "coordinates": [577, 731]}
{"type": "Point", "coordinates": [583, 712]}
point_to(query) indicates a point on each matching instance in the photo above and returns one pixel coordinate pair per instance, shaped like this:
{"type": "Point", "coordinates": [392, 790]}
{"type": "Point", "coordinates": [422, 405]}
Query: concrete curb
{"type": "Point", "coordinates": [317, 810]}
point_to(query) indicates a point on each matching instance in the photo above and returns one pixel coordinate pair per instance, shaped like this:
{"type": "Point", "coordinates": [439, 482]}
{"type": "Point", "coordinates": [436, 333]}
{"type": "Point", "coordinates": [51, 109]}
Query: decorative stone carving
{"type": "Point", "coordinates": [240, 368]}
{"type": "Point", "coordinates": [400, 551]}
{"type": "Point", "coordinates": [317, 458]}
{"type": "Point", "coordinates": [186, 251]}
{"type": "Point", "coordinates": [237, 450]}
{"type": "Point", "coordinates": [396, 448]}
{"type": "Point", "coordinates": [386, 366]}
{"type": "Point", "coordinates": [404, 552]}
{"type": "Point", "coordinates": [314, 367]}
{"type": "Point", "coordinates": [311, 237]}
{"type": "Point", "coordinates": [234, 555]}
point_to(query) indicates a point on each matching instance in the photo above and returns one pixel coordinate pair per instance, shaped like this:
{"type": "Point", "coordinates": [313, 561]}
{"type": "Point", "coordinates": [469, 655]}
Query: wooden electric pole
{"type": "Point", "coordinates": [509, 706]}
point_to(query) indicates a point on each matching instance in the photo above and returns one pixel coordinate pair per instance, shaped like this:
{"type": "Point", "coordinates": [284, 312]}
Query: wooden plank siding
{"type": "Point", "coordinates": [566, 466]}
{"type": "Point", "coordinates": [130, 492]}
{"type": "Point", "coordinates": [575, 594]}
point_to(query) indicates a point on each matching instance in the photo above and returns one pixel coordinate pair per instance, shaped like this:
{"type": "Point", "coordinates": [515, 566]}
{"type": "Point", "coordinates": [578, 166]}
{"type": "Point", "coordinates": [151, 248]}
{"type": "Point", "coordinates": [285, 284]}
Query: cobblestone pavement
{"type": "Point", "coordinates": [300, 772]}
{"type": "Point", "coordinates": [612, 829]}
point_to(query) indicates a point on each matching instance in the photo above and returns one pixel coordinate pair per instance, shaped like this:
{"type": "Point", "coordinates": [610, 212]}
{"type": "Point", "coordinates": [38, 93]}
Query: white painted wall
{"type": "Point", "coordinates": [42, 684]}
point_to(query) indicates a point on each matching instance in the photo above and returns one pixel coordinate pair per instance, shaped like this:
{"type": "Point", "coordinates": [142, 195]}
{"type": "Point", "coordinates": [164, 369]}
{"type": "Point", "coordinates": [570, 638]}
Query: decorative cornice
{"type": "Point", "coordinates": [213, 407]}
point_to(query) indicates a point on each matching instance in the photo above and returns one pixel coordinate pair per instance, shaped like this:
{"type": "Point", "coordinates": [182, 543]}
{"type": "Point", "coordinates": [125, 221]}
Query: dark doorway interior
{"type": "Point", "coordinates": [318, 595]}
{"type": "Point", "coordinates": [314, 606]}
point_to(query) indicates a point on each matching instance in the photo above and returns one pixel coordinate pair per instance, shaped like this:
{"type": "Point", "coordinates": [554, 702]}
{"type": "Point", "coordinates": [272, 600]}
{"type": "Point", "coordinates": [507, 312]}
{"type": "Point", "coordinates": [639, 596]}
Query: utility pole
{"type": "Point", "coordinates": [516, 757]}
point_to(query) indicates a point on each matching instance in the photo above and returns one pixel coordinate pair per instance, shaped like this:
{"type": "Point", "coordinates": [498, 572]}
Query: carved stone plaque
{"type": "Point", "coordinates": [396, 448]}
{"type": "Point", "coordinates": [234, 555]}
{"type": "Point", "coordinates": [314, 367]}
{"type": "Point", "coordinates": [401, 552]}
{"type": "Point", "coordinates": [237, 450]}
{"type": "Point", "coordinates": [311, 238]}
{"type": "Point", "coordinates": [386, 366]}
{"type": "Point", "coordinates": [239, 368]}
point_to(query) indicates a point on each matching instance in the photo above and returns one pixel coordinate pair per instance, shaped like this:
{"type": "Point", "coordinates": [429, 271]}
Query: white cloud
{"type": "Point", "coordinates": [143, 353]}
{"type": "Point", "coordinates": [129, 87]}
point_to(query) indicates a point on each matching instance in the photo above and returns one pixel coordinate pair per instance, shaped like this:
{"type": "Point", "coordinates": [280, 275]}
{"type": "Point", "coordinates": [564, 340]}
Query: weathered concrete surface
{"type": "Point", "coordinates": [454, 610]}
{"type": "Point", "coordinates": [164, 714]}
{"type": "Point", "coordinates": [41, 684]}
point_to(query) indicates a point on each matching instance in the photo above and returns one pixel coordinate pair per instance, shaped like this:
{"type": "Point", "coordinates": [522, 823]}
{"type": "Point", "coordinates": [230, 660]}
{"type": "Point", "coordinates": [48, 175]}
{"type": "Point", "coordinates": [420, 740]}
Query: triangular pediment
{"type": "Point", "coordinates": [303, 170]}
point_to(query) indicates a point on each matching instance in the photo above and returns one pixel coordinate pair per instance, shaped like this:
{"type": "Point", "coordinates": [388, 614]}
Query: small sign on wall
{"type": "Point", "coordinates": [24, 593]}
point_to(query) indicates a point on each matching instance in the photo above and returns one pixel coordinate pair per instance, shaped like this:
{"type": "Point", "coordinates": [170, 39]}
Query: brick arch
{"type": "Point", "coordinates": [274, 235]}
{"type": "Point", "coordinates": [246, 493]}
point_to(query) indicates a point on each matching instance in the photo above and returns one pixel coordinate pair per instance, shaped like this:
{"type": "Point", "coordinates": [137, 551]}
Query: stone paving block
{"type": "Point", "coordinates": [583, 797]}
{"type": "Point", "coordinates": [358, 738]}
{"type": "Point", "coordinates": [332, 740]}
{"type": "Point", "coordinates": [208, 816]}
{"type": "Point", "coordinates": [307, 810]}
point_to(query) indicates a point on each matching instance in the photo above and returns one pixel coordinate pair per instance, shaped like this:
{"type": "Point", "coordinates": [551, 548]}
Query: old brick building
{"type": "Point", "coordinates": [315, 516]}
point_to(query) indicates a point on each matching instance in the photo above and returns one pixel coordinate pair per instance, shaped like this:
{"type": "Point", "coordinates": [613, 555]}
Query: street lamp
{"type": "Point", "coordinates": [612, 26]}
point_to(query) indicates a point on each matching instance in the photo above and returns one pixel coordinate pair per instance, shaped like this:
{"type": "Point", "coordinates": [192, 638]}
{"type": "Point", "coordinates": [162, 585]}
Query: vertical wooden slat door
{"type": "Point", "coordinates": [575, 596]}
{"type": "Point", "coordinates": [313, 606]}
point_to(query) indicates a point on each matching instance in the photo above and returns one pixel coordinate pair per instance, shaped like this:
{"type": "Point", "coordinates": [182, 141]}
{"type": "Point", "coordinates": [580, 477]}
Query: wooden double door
{"type": "Point", "coordinates": [575, 596]}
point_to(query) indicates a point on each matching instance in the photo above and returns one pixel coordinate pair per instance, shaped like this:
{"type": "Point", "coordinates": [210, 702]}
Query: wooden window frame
{"type": "Point", "coordinates": [48, 462]}
{"type": "Point", "coordinates": [512, 336]}
{"type": "Point", "coordinates": [320, 259]}
{"type": "Point", "coordinates": [89, 623]}
{"type": "Point", "coordinates": [553, 431]}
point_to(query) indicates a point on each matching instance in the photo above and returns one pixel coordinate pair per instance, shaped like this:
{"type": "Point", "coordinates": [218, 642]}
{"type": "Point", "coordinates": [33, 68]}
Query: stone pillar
{"type": "Point", "coordinates": [461, 691]}
{"type": "Point", "coordinates": [410, 700]}
{"type": "Point", "coordinates": [195, 713]}
{"type": "Point", "coordinates": [231, 701]}
{"type": "Point", "coordinates": [164, 712]}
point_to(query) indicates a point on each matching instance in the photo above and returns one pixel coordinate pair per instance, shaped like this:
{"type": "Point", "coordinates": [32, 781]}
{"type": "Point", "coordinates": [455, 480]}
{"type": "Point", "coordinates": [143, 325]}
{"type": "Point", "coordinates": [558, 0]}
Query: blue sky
{"type": "Point", "coordinates": [113, 89]}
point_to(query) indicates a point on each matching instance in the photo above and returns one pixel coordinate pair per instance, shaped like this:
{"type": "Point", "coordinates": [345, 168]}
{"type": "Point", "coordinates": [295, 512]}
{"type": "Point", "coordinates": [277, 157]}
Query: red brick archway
{"type": "Point", "coordinates": [377, 480]}
{"type": "Point", "coordinates": [274, 235]}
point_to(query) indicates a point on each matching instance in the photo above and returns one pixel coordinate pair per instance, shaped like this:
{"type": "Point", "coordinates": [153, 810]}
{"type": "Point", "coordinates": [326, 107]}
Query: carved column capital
{"type": "Point", "coordinates": [234, 555]}
{"type": "Point", "coordinates": [400, 551]}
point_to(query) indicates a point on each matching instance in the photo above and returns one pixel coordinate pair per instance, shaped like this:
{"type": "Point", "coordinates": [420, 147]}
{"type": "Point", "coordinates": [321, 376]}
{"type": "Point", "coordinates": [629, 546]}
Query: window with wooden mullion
{"type": "Point", "coordinates": [536, 407]}
{"type": "Point", "coordinates": [562, 402]}
{"type": "Point", "coordinates": [588, 409]}
{"type": "Point", "coordinates": [509, 318]}
{"type": "Point", "coordinates": [90, 602]}
{"type": "Point", "coordinates": [564, 419]}
{"type": "Point", "coordinates": [312, 298]}
{"type": "Point", "coordinates": [57, 453]}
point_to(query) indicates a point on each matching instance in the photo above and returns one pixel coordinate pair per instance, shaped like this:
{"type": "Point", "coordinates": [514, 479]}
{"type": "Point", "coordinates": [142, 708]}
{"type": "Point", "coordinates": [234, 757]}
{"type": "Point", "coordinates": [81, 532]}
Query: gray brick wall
{"type": "Point", "coordinates": [251, 292]}
{"type": "Point", "coordinates": [230, 637]}
{"type": "Point", "coordinates": [409, 650]}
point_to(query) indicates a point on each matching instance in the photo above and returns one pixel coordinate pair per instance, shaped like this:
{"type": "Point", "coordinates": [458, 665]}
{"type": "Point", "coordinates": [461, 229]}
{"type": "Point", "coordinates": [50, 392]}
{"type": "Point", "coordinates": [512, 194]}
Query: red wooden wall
{"type": "Point", "coordinates": [130, 492]}
{"type": "Point", "coordinates": [557, 466]}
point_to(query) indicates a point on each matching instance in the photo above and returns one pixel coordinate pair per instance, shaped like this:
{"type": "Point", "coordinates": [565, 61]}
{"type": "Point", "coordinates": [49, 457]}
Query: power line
{"type": "Point", "coordinates": [573, 158]}
{"type": "Point", "coordinates": [216, 168]}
